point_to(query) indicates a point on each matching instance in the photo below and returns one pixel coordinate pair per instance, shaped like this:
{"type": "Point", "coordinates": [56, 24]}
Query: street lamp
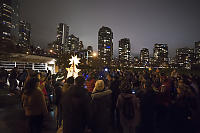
{"type": "Point", "coordinates": [94, 54]}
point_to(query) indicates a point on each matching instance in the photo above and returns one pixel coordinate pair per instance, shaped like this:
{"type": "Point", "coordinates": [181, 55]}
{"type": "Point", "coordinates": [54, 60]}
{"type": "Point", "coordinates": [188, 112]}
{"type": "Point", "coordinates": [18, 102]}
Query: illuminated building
{"type": "Point", "coordinates": [185, 57]}
{"type": "Point", "coordinates": [90, 50]}
{"type": "Point", "coordinates": [90, 53]}
{"type": "Point", "coordinates": [73, 43]}
{"type": "Point", "coordinates": [160, 55]}
{"type": "Point", "coordinates": [144, 57]}
{"type": "Point", "coordinates": [62, 36]}
{"type": "Point", "coordinates": [124, 51]}
{"type": "Point", "coordinates": [172, 62]}
{"type": "Point", "coordinates": [6, 12]}
{"type": "Point", "coordinates": [80, 46]}
{"type": "Point", "coordinates": [9, 19]}
{"type": "Point", "coordinates": [24, 34]}
{"type": "Point", "coordinates": [197, 52]}
{"type": "Point", "coordinates": [16, 19]}
{"type": "Point", "coordinates": [136, 61]}
{"type": "Point", "coordinates": [105, 45]}
{"type": "Point", "coordinates": [151, 61]}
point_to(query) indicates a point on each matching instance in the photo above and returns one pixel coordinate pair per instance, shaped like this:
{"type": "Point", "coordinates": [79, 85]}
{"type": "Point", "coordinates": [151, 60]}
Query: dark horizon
{"type": "Point", "coordinates": [174, 22]}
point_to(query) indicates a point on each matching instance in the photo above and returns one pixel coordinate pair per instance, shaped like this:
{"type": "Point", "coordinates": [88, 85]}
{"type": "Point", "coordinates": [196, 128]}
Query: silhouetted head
{"type": "Point", "coordinates": [70, 80]}
{"type": "Point", "coordinates": [31, 85]}
{"type": "Point", "coordinates": [80, 80]}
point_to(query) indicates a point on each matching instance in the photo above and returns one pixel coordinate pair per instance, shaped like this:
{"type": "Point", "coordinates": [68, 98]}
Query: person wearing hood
{"type": "Point", "coordinates": [76, 108]}
{"type": "Point", "coordinates": [128, 105]}
{"type": "Point", "coordinates": [101, 103]}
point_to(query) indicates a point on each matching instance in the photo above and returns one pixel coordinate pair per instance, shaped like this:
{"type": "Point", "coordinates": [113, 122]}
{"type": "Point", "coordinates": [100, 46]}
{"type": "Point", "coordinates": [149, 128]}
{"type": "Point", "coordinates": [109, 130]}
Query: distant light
{"type": "Point", "coordinates": [52, 61]}
{"type": "Point", "coordinates": [106, 69]}
{"type": "Point", "coordinates": [94, 54]}
{"type": "Point", "coordinates": [87, 76]}
{"type": "Point", "coordinates": [108, 47]}
{"type": "Point", "coordinates": [133, 92]}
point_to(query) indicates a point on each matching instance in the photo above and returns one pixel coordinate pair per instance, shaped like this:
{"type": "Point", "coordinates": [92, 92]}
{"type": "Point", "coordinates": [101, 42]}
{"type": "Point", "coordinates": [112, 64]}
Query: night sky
{"type": "Point", "coordinates": [145, 22]}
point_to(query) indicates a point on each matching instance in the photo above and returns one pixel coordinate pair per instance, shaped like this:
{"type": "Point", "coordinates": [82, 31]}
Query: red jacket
{"type": "Point", "coordinates": [90, 85]}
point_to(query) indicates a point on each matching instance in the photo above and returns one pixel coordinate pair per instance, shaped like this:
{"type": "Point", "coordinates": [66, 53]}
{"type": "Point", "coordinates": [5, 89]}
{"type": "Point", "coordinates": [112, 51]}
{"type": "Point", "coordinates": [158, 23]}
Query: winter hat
{"type": "Point", "coordinates": [99, 86]}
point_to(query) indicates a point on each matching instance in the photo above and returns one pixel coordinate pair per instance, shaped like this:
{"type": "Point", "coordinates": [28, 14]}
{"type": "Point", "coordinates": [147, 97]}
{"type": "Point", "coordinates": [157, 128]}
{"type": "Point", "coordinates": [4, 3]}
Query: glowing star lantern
{"type": "Point", "coordinates": [73, 71]}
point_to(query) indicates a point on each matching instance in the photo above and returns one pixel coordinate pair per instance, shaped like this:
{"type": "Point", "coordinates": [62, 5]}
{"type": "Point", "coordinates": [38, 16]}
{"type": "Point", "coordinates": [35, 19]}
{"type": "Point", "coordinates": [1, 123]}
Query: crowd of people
{"type": "Point", "coordinates": [113, 101]}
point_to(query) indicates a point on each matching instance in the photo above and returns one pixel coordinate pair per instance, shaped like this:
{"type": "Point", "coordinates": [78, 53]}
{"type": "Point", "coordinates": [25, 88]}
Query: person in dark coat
{"type": "Point", "coordinates": [59, 92]}
{"type": "Point", "coordinates": [128, 99]}
{"type": "Point", "coordinates": [76, 108]}
{"type": "Point", "coordinates": [13, 79]}
{"type": "Point", "coordinates": [22, 77]}
{"type": "Point", "coordinates": [58, 96]}
{"type": "Point", "coordinates": [114, 87]}
{"type": "Point", "coordinates": [101, 105]}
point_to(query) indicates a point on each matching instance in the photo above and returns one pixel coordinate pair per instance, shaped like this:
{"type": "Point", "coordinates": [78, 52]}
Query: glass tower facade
{"type": "Point", "coordinates": [124, 51]}
{"type": "Point", "coordinates": [144, 57]}
{"type": "Point", "coordinates": [160, 54]}
{"type": "Point", "coordinates": [105, 45]}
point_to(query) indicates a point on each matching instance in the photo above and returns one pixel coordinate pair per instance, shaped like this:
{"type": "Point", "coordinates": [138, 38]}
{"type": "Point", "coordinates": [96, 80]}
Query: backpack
{"type": "Point", "coordinates": [128, 108]}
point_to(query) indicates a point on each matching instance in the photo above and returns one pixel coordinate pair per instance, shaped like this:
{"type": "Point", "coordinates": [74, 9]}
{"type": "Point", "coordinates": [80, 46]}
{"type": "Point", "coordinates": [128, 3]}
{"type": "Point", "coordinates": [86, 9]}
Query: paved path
{"type": "Point", "coordinates": [12, 119]}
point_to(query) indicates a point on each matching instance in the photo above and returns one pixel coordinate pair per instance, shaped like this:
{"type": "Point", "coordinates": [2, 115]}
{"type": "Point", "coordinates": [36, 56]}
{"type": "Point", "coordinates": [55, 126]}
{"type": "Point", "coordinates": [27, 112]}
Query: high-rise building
{"type": "Point", "coordinates": [90, 50]}
{"type": "Point", "coordinates": [24, 34]}
{"type": "Point", "coordinates": [6, 26]}
{"type": "Point", "coordinates": [136, 61]}
{"type": "Point", "coordinates": [160, 55]}
{"type": "Point", "coordinates": [53, 49]}
{"type": "Point", "coordinates": [115, 62]}
{"type": "Point", "coordinates": [16, 19]}
{"type": "Point", "coordinates": [9, 19]}
{"type": "Point", "coordinates": [197, 52]}
{"type": "Point", "coordinates": [151, 61]}
{"type": "Point", "coordinates": [89, 53]}
{"type": "Point", "coordinates": [105, 45]}
{"type": "Point", "coordinates": [62, 36]}
{"type": "Point", "coordinates": [144, 57]}
{"type": "Point", "coordinates": [172, 62]}
{"type": "Point", "coordinates": [73, 43]}
{"type": "Point", "coordinates": [185, 57]}
{"type": "Point", "coordinates": [83, 54]}
{"type": "Point", "coordinates": [124, 51]}
{"type": "Point", "coordinates": [80, 46]}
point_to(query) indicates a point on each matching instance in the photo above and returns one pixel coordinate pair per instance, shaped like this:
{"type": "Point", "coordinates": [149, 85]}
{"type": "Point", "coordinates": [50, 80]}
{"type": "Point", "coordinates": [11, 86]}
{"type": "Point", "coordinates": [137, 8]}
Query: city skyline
{"type": "Point", "coordinates": [146, 23]}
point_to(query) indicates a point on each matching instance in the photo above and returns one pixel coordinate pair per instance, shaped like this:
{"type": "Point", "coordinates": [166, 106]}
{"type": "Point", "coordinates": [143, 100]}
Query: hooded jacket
{"type": "Point", "coordinates": [76, 110]}
{"type": "Point", "coordinates": [101, 107]}
{"type": "Point", "coordinates": [132, 122]}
